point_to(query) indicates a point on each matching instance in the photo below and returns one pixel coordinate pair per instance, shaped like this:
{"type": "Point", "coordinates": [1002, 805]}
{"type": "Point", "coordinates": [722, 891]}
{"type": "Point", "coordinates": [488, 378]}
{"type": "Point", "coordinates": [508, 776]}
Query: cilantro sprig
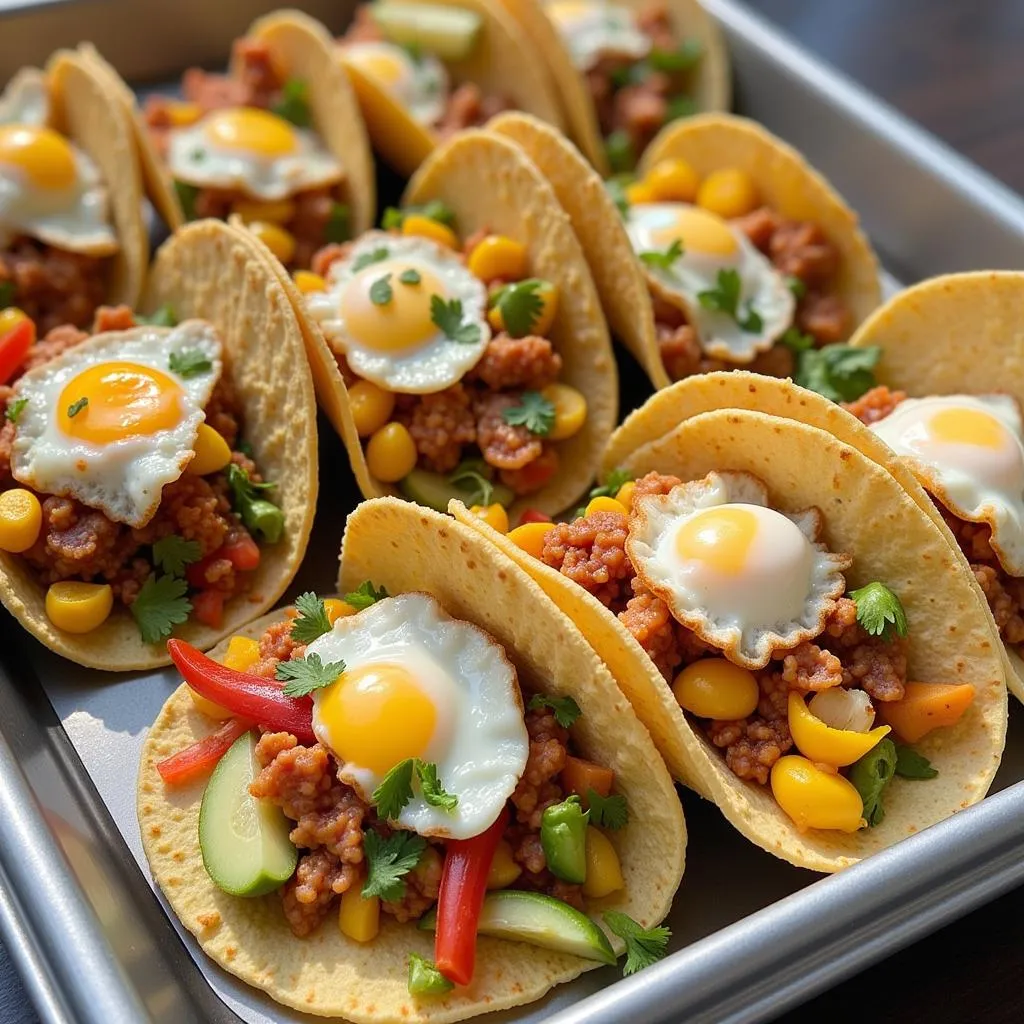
{"type": "Point", "coordinates": [430, 786]}
{"type": "Point", "coordinates": [381, 292]}
{"type": "Point", "coordinates": [870, 776]}
{"type": "Point", "coordinates": [565, 708]}
{"type": "Point", "coordinates": [388, 861]}
{"type": "Point", "coordinates": [879, 610]}
{"type": "Point", "coordinates": [294, 103]}
{"type": "Point", "coordinates": [644, 946]}
{"type": "Point", "coordinates": [448, 316]}
{"type": "Point", "coordinates": [796, 286]}
{"type": "Point", "coordinates": [161, 605]}
{"type": "Point", "coordinates": [663, 260]}
{"type": "Point", "coordinates": [76, 407]}
{"type": "Point", "coordinates": [187, 198]}
{"type": "Point", "coordinates": [912, 765]}
{"type": "Point", "coordinates": [302, 676]}
{"type": "Point", "coordinates": [259, 515]}
{"type": "Point", "coordinates": [410, 276]}
{"type": "Point", "coordinates": [838, 372]}
{"type": "Point", "coordinates": [338, 226]}
{"type": "Point", "coordinates": [173, 553]}
{"type": "Point", "coordinates": [395, 789]}
{"type": "Point", "coordinates": [189, 362]}
{"type": "Point", "coordinates": [435, 209]}
{"type": "Point", "coordinates": [725, 298]}
{"type": "Point", "coordinates": [311, 620]}
{"type": "Point", "coordinates": [162, 317]}
{"type": "Point", "coordinates": [796, 340]}
{"type": "Point", "coordinates": [364, 595]}
{"type": "Point", "coordinates": [367, 259]}
{"type": "Point", "coordinates": [534, 411]}
{"type": "Point", "coordinates": [14, 409]}
{"type": "Point", "coordinates": [608, 812]}
{"type": "Point", "coordinates": [520, 305]}
{"type": "Point", "coordinates": [613, 483]}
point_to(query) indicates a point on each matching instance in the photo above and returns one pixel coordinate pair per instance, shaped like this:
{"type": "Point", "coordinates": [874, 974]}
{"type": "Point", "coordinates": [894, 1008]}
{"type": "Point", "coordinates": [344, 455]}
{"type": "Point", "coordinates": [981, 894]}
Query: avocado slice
{"type": "Point", "coordinates": [448, 33]}
{"type": "Point", "coordinates": [539, 920]}
{"type": "Point", "coordinates": [435, 491]}
{"type": "Point", "coordinates": [244, 841]}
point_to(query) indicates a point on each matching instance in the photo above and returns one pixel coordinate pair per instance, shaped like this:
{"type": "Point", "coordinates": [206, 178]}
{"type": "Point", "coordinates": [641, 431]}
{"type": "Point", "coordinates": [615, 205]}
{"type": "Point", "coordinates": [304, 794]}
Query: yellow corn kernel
{"type": "Point", "coordinates": [716, 688]}
{"type": "Point", "coordinates": [530, 537]}
{"type": "Point", "coordinates": [624, 495]}
{"type": "Point", "coordinates": [425, 227]}
{"type": "Point", "coordinates": [243, 653]}
{"type": "Point", "coordinates": [10, 317]}
{"type": "Point", "coordinates": [21, 518]}
{"type": "Point", "coordinates": [78, 607]}
{"type": "Point", "coordinates": [337, 609]}
{"type": "Point", "coordinates": [391, 453]}
{"type": "Point", "coordinates": [359, 918]}
{"type": "Point", "coordinates": [604, 873]}
{"type": "Point", "coordinates": [280, 242]}
{"type": "Point", "coordinates": [604, 504]}
{"type": "Point", "coordinates": [212, 452]}
{"type": "Point", "coordinates": [278, 211]}
{"type": "Point", "coordinates": [815, 798]}
{"type": "Point", "coordinates": [639, 192]}
{"type": "Point", "coordinates": [181, 113]}
{"type": "Point", "coordinates": [570, 410]}
{"type": "Point", "coordinates": [498, 257]}
{"type": "Point", "coordinates": [494, 319]}
{"type": "Point", "coordinates": [821, 743]}
{"type": "Point", "coordinates": [371, 407]}
{"type": "Point", "coordinates": [494, 516]}
{"type": "Point", "coordinates": [207, 707]}
{"type": "Point", "coordinates": [672, 181]}
{"type": "Point", "coordinates": [504, 870]}
{"type": "Point", "coordinates": [306, 281]}
{"type": "Point", "coordinates": [729, 192]}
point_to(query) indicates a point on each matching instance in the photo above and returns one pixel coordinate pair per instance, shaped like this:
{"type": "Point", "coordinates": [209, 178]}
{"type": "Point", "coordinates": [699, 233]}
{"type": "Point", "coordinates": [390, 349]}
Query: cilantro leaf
{"type": "Point", "coordinates": [365, 595]}
{"type": "Point", "coordinates": [304, 675]}
{"type": "Point", "coordinates": [338, 228]}
{"type": "Point", "coordinates": [187, 198]}
{"type": "Point", "coordinates": [189, 362]}
{"type": "Point", "coordinates": [725, 298]}
{"type": "Point", "coordinates": [912, 765]}
{"type": "Point", "coordinates": [294, 103]}
{"type": "Point", "coordinates": [410, 276]}
{"type": "Point", "coordinates": [879, 610]}
{"type": "Point", "coordinates": [395, 790]}
{"type": "Point", "coordinates": [163, 317]}
{"type": "Point", "coordinates": [76, 407]}
{"type": "Point", "coordinates": [663, 260]}
{"type": "Point", "coordinates": [520, 306]}
{"type": "Point", "coordinates": [392, 219]}
{"type": "Point", "coordinates": [534, 412]}
{"type": "Point", "coordinates": [173, 553]}
{"type": "Point", "coordinates": [469, 476]}
{"type": "Point", "coordinates": [311, 621]}
{"type": "Point", "coordinates": [380, 291]}
{"type": "Point", "coordinates": [388, 861]}
{"type": "Point", "coordinates": [619, 149]}
{"type": "Point", "coordinates": [673, 62]}
{"type": "Point", "coordinates": [796, 340]}
{"type": "Point", "coordinates": [613, 483]}
{"type": "Point", "coordinates": [681, 106]}
{"type": "Point", "coordinates": [160, 606]}
{"type": "Point", "coordinates": [870, 775]}
{"type": "Point", "coordinates": [259, 515]}
{"type": "Point", "coordinates": [644, 946]}
{"type": "Point", "coordinates": [565, 708]}
{"type": "Point", "coordinates": [607, 811]}
{"type": "Point", "coordinates": [796, 286]}
{"type": "Point", "coordinates": [751, 321]}
{"type": "Point", "coordinates": [433, 792]}
{"type": "Point", "coordinates": [8, 290]}
{"type": "Point", "coordinates": [838, 372]}
{"type": "Point", "coordinates": [435, 209]}
{"type": "Point", "coordinates": [367, 259]}
{"type": "Point", "coordinates": [448, 317]}
{"type": "Point", "coordinates": [14, 409]}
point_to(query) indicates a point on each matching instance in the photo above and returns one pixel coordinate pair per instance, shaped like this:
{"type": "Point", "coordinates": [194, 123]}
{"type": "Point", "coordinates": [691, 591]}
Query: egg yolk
{"type": "Point", "coordinates": [720, 538]}
{"type": "Point", "coordinates": [40, 153]}
{"type": "Point", "coordinates": [384, 65]}
{"type": "Point", "coordinates": [698, 230]}
{"type": "Point", "coordinates": [566, 12]}
{"type": "Point", "coordinates": [112, 401]}
{"type": "Point", "coordinates": [967, 426]}
{"type": "Point", "coordinates": [251, 129]}
{"type": "Point", "coordinates": [395, 321]}
{"type": "Point", "coordinates": [377, 715]}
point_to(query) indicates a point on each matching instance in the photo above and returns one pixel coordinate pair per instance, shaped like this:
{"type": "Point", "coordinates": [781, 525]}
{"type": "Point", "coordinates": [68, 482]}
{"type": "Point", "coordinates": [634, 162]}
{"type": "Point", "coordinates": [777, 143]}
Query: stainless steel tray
{"type": "Point", "coordinates": [751, 935]}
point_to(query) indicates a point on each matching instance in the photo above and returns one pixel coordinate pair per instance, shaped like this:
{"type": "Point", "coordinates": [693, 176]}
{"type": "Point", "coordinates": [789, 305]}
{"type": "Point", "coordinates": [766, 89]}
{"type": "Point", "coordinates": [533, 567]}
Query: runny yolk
{"type": "Point", "coordinates": [377, 715]}
{"type": "Point", "coordinates": [41, 154]}
{"type": "Point", "coordinates": [720, 538]}
{"type": "Point", "coordinates": [403, 321]}
{"type": "Point", "coordinates": [698, 231]}
{"type": "Point", "coordinates": [123, 400]}
{"type": "Point", "coordinates": [967, 426]}
{"type": "Point", "coordinates": [250, 129]}
{"type": "Point", "coordinates": [382, 64]}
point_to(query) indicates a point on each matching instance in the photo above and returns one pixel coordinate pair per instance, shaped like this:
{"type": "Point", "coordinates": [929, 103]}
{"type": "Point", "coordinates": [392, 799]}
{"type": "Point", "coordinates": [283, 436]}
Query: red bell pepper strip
{"type": "Point", "coordinates": [467, 863]}
{"type": "Point", "coordinates": [198, 760]}
{"type": "Point", "coordinates": [14, 346]}
{"type": "Point", "coordinates": [531, 515]}
{"type": "Point", "coordinates": [252, 697]}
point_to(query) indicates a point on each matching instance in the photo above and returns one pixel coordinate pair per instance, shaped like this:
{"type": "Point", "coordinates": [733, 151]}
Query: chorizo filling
{"type": "Point", "coordinates": [124, 479]}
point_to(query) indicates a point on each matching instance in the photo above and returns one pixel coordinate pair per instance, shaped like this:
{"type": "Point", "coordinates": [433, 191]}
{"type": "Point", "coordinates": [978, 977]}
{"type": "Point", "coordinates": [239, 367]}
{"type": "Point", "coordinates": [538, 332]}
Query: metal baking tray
{"type": "Point", "coordinates": [752, 936]}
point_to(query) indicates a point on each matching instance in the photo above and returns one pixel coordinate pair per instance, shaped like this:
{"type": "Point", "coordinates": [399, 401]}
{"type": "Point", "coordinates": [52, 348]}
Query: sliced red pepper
{"type": "Point", "coordinates": [252, 697]}
{"type": "Point", "coordinates": [242, 552]}
{"type": "Point", "coordinates": [14, 346]}
{"type": "Point", "coordinates": [531, 515]}
{"type": "Point", "coordinates": [467, 863]}
{"type": "Point", "coordinates": [200, 759]}
{"type": "Point", "coordinates": [208, 607]}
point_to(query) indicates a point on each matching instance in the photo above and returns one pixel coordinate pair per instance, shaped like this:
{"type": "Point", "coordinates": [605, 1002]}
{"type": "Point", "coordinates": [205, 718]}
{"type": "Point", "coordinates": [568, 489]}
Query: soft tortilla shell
{"type": "Point", "coordinates": [212, 271]}
{"type": "Point", "coordinates": [602, 235]}
{"type": "Point", "coordinates": [501, 64]}
{"type": "Point", "coordinates": [405, 548]}
{"type": "Point", "coordinates": [785, 182]}
{"type": "Point", "coordinates": [868, 514]}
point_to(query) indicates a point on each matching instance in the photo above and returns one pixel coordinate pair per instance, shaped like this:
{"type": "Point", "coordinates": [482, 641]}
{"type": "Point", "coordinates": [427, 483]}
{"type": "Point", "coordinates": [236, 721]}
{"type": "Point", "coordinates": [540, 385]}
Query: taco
{"type": "Point", "coordinates": [278, 141]}
{"type": "Point", "coordinates": [72, 234]}
{"type": "Point", "coordinates": [461, 349]}
{"type": "Point", "coordinates": [423, 71]}
{"type": "Point", "coordinates": [573, 821]}
{"type": "Point", "coordinates": [160, 474]}
{"type": "Point", "coordinates": [748, 562]}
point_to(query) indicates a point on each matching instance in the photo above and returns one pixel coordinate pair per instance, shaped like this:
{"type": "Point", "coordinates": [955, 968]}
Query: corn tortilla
{"type": "Point", "coordinates": [217, 273]}
{"type": "Point", "coordinates": [405, 548]}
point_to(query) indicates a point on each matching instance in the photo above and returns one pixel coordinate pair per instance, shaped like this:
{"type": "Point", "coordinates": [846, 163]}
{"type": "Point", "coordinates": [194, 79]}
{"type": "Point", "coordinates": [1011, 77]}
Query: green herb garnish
{"type": "Point", "coordinates": [796, 340]}
{"type": "Point", "coordinates": [163, 317]}
{"type": "Point", "coordinates": [430, 786]}
{"type": "Point", "coordinates": [187, 198]}
{"type": "Point", "coordinates": [796, 286]}
{"type": "Point", "coordinates": [725, 298]}
{"type": "Point", "coordinates": [76, 407]}
{"type": "Point", "coordinates": [367, 259]}
{"type": "Point", "coordinates": [395, 789]}
{"type": "Point", "coordinates": [448, 317]}
{"type": "Point", "coordinates": [365, 595]}
{"type": "Point", "coordinates": [565, 708]}
{"type": "Point", "coordinates": [294, 103]}
{"type": "Point", "coordinates": [189, 362]}
{"type": "Point", "coordinates": [311, 621]}
{"type": "Point", "coordinates": [410, 276]}
{"type": "Point", "coordinates": [161, 605]}
{"type": "Point", "coordinates": [534, 412]}
{"type": "Point", "coordinates": [870, 775]}
{"type": "Point", "coordinates": [673, 62]}
{"type": "Point", "coordinates": [380, 291]}
{"type": "Point", "coordinates": [681, 106]}
{"type": "Point", "coordinates": [613, 483]}
{"type": "Point", "coordinates": [912, 765]}
{"type": "Point", "coordinates": [644, 946]}
{"type": "Point", "coordinates": [470, 475]}
{"type": "Point", "coordinates": [663, 260]}
{"type": "Point", "coordinates": [608, 812]}
{"type": "Point", "coordinates": [520, 305]}
{"type": "Point", "coordinates": [304, 675]}
{"type": "Point", "coordinates": [618, 147]}
{"type": "Point", "coordinates": [879, 610]}
{"type": "Point", "coordinates": [14, 409]}
{"type": "Point", "coordinates": [616, 188]}
{"type": "Point", "coordinates": [173, 553]}
{"type": "Point", "coordinates": [258, 514]}
{"type": "Point", "coordinates": [388, 861]}
{"type": "Point", "coordinates": [838, 372]}
{"type": "Point", "coordinates": [338, 226]}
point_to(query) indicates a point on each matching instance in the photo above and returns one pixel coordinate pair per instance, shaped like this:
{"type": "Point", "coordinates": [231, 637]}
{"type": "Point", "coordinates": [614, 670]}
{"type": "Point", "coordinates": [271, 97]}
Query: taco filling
{"type": "Point", "coordinates": [799, 682]}
{"type": "Point", "coordinates": [399, 771]}
{"type": "Point", "coordinates": [443, 345]}
{"type": "Point", "coordinates": [124, 478]}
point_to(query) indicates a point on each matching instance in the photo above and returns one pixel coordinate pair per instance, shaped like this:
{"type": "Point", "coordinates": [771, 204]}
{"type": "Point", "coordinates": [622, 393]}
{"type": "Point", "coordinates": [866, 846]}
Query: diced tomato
{"type": "Point", "coordinates": [14, 346]}
{"type": "Point", "coordinates": [242, 552]}
{"type": "Point", "coordinates": [196, 572]}
{"type": "Point", "coordinates": [579, 776]}
{"type": "Point", "coordinates": [531, 515]}
{"type": "Point", "coordinates": [200, 759]}
{"type": "Point", "coordinates": [208, 607]}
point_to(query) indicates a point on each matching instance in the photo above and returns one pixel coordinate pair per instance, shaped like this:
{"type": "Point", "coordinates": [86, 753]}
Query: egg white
{"type": "Point", "coordinates": [419, 85]}
{"type": "Point", "coordinates": [594, 30]}
{"type": "Point", "coordinates": [26, 99]}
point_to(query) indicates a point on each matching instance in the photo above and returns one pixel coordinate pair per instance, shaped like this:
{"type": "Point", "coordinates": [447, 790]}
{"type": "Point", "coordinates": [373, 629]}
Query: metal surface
{"type": "Point", "coordinates": [751, 935]}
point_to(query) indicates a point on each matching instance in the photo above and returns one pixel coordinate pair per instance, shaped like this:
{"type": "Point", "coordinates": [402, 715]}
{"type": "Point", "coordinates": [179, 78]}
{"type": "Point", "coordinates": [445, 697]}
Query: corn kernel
{"type": "Point", "coordinates": [639, 192]}
{"type": "Point", "coordinates": [78, 607]}
{"type": "Point", "coordinates": [530, 537]}
{"type": "Point", "coordinates": [182, 113]}
{"type": "Point", "coordinates": [425, 227]}
{"type": "Point", "coordinates": [207, 707]}
{"type": "Point", "coordinates": [243, 653]}
{"type": "Point", "coordinates": [815, 798]}
{"type": "Point", "coordinates": [729, 192]}
{"type": "Point", "coordinates": [21, 518]}
{"type": "Point", "coordinates": [211, 452]}
{"type": "Point", "coordinates": [504, 870]}
{"type": "Point", "coordinates": [604, 504]}
{"type": "Point", "coordinates": [337, 609]}
{"type": "Point", "coordinates": [359, 917]}
{"type": "Point", "coordinates": [391, 453]}
{"type": "Point", "coordinates": [672, 181]}
{"type": "Point", "coordinates": [494, 516]}
{"type": "Point", "coordinates": [498, 257]}
{"type": "Point", "coordinates": [570, 411]}
{"type": "Point", "coordinates": [306, 281]}
{"type": "Point", "coordinates": [716, 688]}
{"type": "Point", "coordinates": [604, 873]}
{"type": "Point", "coordinates": [280, 242]}
{"type": "Point", "coordinates": [10, 317]}
{"type": "Point", "coordinates": [279, 211]}
{"type": "Point", "coordinates": [624, 495]}
{"type": "Point", "coordinates": [371, 407]}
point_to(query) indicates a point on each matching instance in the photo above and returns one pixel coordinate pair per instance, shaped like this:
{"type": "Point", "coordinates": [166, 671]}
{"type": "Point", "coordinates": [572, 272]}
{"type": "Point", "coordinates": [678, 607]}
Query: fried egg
{"type": "Point", "coordinates": [109, 422]}
{"type": "Point", "coordinates": [711, 246]}
{"type": "Point", "coordinates": [968, 451]}
{"type": "Point", "coordinates": [591, 31]}
{"type": "Point", "coordinates": [420, 684]}
{"type": "Point", "coordinates": [396, 343]}
{"type": "Point", "coordinates": [744, 577]}
{"type": "Point", "coordinates": [26, 99]}
{"type": "Point", "coordinates": [418, 84]}
{"type": "Point", "coordinates": [252, 150]}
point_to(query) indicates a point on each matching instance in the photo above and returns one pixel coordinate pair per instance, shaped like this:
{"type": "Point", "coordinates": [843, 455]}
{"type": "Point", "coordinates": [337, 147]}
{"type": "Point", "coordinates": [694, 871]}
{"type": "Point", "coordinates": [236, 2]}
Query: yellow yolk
{"type": "Point", "coordinates": [124, 400]}
{"type": "Point", "coordinates": [44, 156]}
{"type": "Point", "coordinates": [377, 715]}
{"type": "Point", "coordinates": [563, 12]}
{"type": "Point", "coordinates": [385, 67]}
{"type": "Point", "coordinates": [251, 129]}
{"type": "Point", "coordinates": [699, 231]}
{"type": "Point", "coordinates": [403, 322]}
{"type": "Point", "coordinates": [719, 538]}
{"type": "Point", "coordinates": [967, 426]}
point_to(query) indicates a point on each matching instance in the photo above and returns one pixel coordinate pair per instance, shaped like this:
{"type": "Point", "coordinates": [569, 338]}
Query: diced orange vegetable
{"type": "Point", "coordinates": [926, 706]}
{"type": "Point", "coordinates": [208, 607]}
{"type": "Point", "coordinates": [579, 776]}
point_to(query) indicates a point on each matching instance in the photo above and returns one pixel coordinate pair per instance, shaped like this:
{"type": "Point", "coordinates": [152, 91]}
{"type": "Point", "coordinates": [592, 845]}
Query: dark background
{"type": "Point", "coordinates": [957, 67]}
